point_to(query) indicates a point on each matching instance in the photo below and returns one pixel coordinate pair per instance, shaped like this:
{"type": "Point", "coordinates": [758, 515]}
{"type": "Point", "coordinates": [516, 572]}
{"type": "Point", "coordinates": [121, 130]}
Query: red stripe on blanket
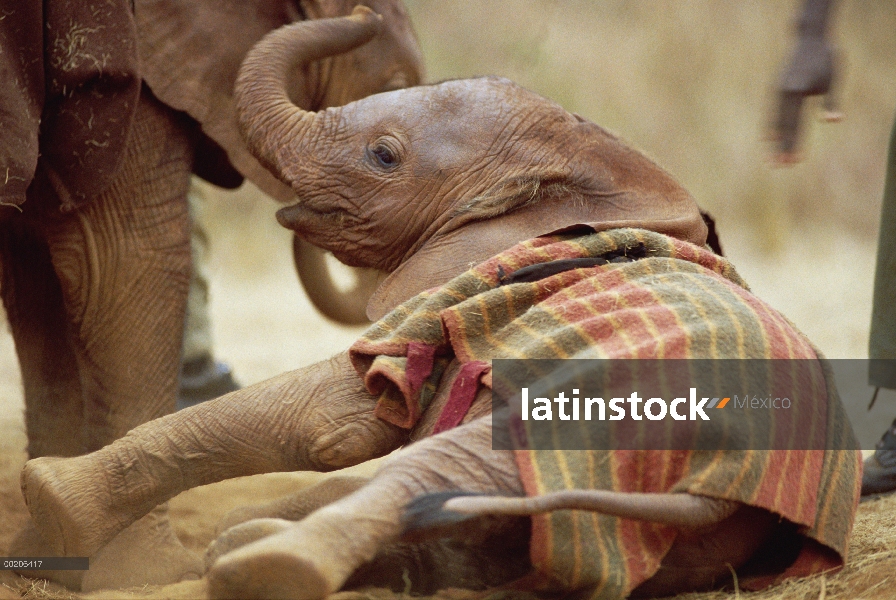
{"type": "Point", "coordinates": [419, 366]}
{"type": "Point", "coordinates": [463, 392]}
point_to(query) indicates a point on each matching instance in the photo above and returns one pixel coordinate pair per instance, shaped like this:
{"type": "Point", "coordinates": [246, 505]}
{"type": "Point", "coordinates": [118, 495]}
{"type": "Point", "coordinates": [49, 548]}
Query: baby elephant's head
{"type": "Point", "coordinates": [456, 171]}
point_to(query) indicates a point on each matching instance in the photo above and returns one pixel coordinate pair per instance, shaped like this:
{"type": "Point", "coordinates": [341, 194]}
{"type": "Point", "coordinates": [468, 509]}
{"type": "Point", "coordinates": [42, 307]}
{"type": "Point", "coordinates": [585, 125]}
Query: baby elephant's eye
{"type": "Point", "coordinates": [384, 156]}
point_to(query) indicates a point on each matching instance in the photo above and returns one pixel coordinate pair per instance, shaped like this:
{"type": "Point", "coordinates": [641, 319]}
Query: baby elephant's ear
{"type": "Point", "coordinates": [624, 188]}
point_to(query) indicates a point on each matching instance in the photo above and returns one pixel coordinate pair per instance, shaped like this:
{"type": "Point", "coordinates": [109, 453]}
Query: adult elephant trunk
{"type": "Point", "coordinates": [275, 129]}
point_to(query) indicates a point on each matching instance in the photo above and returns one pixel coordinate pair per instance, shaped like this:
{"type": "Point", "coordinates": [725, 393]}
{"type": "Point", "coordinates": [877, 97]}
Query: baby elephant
{"type": "Point", "coordinates": [509, 228]}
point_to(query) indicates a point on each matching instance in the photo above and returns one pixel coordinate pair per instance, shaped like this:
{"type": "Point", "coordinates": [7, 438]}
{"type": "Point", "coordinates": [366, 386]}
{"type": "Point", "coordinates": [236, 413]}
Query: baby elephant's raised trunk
{"type": "Point", "coordinates": [274, 127]}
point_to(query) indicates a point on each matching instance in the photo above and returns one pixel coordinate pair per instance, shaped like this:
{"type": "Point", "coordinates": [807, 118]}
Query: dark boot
{"type": "Point", "coordinates": [203, 379]}
{"type": "Point", "coordinates": [879, 476]}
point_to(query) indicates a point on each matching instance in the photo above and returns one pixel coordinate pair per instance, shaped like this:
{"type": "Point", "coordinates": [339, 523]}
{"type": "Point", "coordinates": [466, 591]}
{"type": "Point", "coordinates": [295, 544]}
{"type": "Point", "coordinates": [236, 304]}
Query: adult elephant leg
{"type": "Point", "coordinates": [316, 418]}
{"type": "Point", "coordinates": [317, 555]}
{"type": "Point", "coordinates": [123, 262]}
{"type": "Point", "coordinates": [53, 406]}
{"type": "Point", "coordinates": [34, 306]}
{"type": "Point", "coordinates": [123, 259]}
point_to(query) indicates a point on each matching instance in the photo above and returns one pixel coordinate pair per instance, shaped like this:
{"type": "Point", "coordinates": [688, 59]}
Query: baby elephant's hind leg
{"type": "Point", "coordinates": [250, 523]}
{"type": "Point", "coordinates": [316, 556]}
{"type": "Point", "coordinates": [298, 505]}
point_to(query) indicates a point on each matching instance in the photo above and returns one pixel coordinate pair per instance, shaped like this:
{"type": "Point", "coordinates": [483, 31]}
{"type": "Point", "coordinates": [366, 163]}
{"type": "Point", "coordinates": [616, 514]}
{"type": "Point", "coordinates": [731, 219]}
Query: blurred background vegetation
{"type": "Point", "coordinates": [692, 84]}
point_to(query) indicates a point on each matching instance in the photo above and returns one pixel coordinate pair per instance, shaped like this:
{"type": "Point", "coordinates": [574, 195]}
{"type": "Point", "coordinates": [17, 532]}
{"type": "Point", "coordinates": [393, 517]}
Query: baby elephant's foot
{"type": "Point", "coordinates": [242, 534]}
{"type": "Point", "coordinates": [68, 500]}
{"type": "Point", "coordinates": [308, 560]}
{"type": "Point", "coordinates": [146, 553]}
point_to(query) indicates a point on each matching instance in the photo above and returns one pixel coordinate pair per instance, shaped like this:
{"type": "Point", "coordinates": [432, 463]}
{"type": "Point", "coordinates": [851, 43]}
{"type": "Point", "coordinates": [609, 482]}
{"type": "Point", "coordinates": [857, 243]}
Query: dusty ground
{"type": "Point", "coordinates": [264, 326]}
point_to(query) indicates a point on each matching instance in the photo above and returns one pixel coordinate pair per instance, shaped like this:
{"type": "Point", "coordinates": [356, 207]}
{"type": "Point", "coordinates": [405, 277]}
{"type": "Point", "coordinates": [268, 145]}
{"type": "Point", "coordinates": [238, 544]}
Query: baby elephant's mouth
{"type": "Point", "coordinates": [304, 218]}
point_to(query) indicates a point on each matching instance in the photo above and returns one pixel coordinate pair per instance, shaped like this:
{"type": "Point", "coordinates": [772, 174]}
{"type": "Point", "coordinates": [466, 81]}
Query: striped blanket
{"type": "Point", "coordinates": [678, 301]}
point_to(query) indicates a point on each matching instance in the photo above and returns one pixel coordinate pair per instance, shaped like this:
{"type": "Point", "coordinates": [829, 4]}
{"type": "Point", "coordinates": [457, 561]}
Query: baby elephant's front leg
{"type": "Point", "coordinates": [314, 557]}
{"type": "Point", "coordinates": [316, 418]}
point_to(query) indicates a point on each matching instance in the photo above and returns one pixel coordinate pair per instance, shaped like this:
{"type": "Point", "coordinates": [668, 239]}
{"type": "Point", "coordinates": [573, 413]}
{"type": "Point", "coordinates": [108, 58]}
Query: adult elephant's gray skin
{"type": "Point", "coordinates": [106, 110]}
{"type": "Point", "coordinates": [425, 182]}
